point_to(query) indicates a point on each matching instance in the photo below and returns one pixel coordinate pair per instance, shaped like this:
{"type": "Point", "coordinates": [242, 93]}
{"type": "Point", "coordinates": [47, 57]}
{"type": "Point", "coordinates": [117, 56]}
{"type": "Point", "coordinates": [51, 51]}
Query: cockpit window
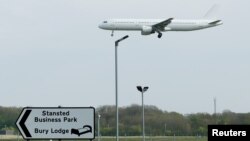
{"type": "Point", "coordinates": [105, 22]}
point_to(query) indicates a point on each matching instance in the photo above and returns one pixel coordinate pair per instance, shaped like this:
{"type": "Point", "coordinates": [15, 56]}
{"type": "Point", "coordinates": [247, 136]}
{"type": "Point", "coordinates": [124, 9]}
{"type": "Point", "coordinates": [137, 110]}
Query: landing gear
{"type": "Point", "coordinates": [112, 33]}
{"type": "Point", "coordinates": [159, 35]}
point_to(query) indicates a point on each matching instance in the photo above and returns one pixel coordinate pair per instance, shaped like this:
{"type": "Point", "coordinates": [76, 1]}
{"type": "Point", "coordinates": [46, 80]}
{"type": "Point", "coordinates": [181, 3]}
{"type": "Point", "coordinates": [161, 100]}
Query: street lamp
{"type": "Point", "coordinates": [99, 117]}
{"type": "Point", "coordinates": [142, 90]}
{"type": "Point", "coordinates": [116, 85]}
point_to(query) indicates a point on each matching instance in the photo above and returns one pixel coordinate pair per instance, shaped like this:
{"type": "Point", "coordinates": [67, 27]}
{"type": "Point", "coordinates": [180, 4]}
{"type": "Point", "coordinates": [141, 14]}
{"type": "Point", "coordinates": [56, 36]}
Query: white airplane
{"type": "Point", "coordinates": [150, 26]}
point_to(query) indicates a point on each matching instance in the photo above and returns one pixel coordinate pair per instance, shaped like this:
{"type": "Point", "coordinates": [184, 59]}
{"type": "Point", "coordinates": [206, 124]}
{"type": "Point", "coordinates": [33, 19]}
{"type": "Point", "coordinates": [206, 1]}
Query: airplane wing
{"type": "Point", "coordinates": [160, 26]}
{"type": "Point", "coordinates": [215, 22]}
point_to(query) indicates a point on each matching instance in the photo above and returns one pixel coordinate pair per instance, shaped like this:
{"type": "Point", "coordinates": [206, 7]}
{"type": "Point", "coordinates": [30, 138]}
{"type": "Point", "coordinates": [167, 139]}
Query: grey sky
{"type": "Point", "coordinates": [52, 53]}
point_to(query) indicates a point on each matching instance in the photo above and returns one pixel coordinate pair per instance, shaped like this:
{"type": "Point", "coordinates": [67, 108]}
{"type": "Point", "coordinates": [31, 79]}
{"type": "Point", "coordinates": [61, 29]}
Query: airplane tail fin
{"type": "Point", "coordinates": [211, 13]}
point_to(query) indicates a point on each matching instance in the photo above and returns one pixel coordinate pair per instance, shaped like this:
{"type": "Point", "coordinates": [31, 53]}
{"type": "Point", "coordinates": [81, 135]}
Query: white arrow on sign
{"type": "Point", "coordinates": [57, 123]}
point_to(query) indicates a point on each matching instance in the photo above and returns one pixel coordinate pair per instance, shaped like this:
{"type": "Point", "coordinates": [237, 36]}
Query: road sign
{"type": "Point", "coordinates": [57, 123]}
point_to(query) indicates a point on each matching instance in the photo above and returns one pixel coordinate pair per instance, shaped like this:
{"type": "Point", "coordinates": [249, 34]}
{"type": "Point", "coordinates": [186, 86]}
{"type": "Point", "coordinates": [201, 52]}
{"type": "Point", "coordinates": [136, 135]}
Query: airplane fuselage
{"type": "Point", "coordinates": [175, 25]}
{"type": "Point", "coordinates": [149, 26]}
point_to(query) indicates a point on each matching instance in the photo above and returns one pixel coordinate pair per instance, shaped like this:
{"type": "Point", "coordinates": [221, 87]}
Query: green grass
{"type": "Point", "coordinates": [128, 138]}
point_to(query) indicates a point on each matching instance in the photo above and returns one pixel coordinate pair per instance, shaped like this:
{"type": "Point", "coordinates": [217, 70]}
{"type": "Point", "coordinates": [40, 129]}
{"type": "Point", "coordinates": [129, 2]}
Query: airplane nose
{"type": "Point", "coordinates": [100, 26]}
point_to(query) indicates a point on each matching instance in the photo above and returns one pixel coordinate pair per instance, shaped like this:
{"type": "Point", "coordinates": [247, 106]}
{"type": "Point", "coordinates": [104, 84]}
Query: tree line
{"type": "Point", "coordinates": [163, 123]}
{"type": "Point", "coordinates": [157, 122]}
{"type": "Point", "coordinates": [8, 117]}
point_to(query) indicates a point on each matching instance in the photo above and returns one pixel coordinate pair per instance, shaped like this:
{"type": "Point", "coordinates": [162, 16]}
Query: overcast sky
{"type": "Point", "coordinates": [53, 53]}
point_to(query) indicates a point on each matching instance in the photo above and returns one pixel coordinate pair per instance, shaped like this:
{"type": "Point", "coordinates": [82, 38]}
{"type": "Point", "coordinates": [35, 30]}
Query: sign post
{"type": "Point", "coordinates": [57, 123]}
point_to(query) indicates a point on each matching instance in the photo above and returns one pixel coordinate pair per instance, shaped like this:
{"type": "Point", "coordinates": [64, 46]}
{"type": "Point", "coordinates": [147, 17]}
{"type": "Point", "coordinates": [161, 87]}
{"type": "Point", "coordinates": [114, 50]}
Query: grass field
{"type": "Point", "coordinates": [131, 138]}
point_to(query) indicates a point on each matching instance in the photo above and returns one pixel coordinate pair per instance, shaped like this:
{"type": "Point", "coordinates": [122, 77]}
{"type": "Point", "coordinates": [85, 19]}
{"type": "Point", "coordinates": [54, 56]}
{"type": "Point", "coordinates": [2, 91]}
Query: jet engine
{"type": "Point", "coordinates": [146, 30]}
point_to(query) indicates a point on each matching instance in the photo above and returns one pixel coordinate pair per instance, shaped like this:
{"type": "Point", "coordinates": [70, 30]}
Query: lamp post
{"type": "Point", "coordinates": [116, 85]}
{"type": "Point", "coordinates": [165, 130]}
{"type": "Point", "coordinates": [142, 90]}
{"type": "Point", "coordinates": [99, 117]}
